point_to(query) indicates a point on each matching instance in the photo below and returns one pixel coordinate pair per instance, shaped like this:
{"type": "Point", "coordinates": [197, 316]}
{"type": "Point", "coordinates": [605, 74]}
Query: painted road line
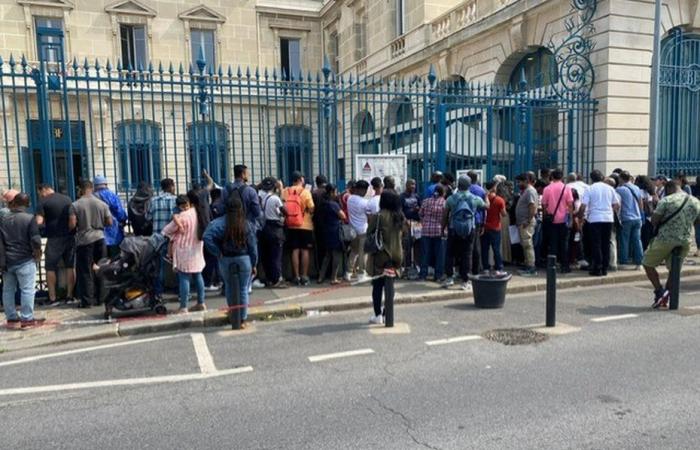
{"type": "Point", "coordinates": [454, 340]}
{"type": "Point", "coordinates": [611, 318]}
{"type": "Point", "coordinates": [318, 358]}
{"type": "Point", "coordinates": [696, 307]}
{"type": "Point", "coordinates": [122, 382]}
{"type": "Point", "coordinates": [204, 358]}
{"type": "Point", "coordinates": [88, 349]}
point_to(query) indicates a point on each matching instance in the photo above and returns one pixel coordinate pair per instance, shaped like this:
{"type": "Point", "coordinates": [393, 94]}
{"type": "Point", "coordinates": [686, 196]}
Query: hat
{"type": "Point", "coordinates": [99, 180]}
{"type": "Point", "coordinates": [9, 195]}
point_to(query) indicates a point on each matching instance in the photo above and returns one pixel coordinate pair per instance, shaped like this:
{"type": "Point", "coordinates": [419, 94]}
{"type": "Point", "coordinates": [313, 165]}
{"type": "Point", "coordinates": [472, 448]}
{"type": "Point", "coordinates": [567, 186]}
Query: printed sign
{"type": "Point", "coordinates": [479, 174]}
{"type": "Point", "coordinates": [370, 166]}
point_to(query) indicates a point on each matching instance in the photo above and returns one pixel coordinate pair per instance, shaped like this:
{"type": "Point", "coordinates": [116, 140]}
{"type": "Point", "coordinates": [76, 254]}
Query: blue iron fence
{"type": "Point", "coordinates": [63, 122]}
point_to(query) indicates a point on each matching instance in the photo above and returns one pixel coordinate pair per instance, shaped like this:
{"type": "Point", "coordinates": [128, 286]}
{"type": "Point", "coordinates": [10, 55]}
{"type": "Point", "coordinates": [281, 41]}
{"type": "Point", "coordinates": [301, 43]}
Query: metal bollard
{"type": "Point", "coordinates": [675, 278]}
{"type": "Point", "coordinates": [389, 302]}
{"type": "Point", "coordinates": [235, 315]}
{"type": "Point", "coordinates": [551, 291]}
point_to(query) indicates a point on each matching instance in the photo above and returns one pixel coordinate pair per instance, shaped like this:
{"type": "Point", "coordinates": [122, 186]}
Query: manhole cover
{"type": "Point", "coordinates": [515, 336]}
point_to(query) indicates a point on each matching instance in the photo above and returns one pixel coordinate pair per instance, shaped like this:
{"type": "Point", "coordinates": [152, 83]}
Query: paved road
{"type": "Point", "coordinates": [625, 378]}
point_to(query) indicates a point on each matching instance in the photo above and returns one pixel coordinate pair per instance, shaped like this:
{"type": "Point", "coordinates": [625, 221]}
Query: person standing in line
{"type": "Point", "coordinates": [433, 249]}
{"type": "Point", "coordinates": [491, 239]}
{"type": "Point", "coordinates": [299, 205]}
{"type": "Point", "coordinates": [478, 191]}
{"type": "Point", "coordinates": [246, 194]}
{"type": "Point", "coordinates": [7, 197]}
{"type": "Point", "coordinates": [435, 179]}
{"type": "Point", "coordinates": [631, 210]}
{"type": "Point", "coordinates": [357, 215]}
{"type": "Point", "coordinates": [674, 217]}
{"type": "Point", "coordinates": [331, 217]}
{"type": "Point", "coordinates": [373, 203]}
{"type": "Point", "coordinates": [601, 204]}
{"type": "Point", "coordinates": [232, 239]}
{"type": "Point", "coordinates": [54, 214]}
{"type": "Point", "coordinates": [525, 219]}
{"type": "Point", "coordinates": [384, 266]}
{"type": "Point", "coordinates": [186, 234]}
{"type": "Point", "coordinates": [557, 207]}
{"type": "Point", "coordinates": [459, 219]}
{"type": "Point", "coordinates": [389, 183]}
{"type": "Point", "coordinates": [20, 251]}
{"type": "Point", "coordinates": [317, 194]}
{"type": "Point", "coordinates": [349, 187]}
{"type": "Point", "coordinates": [272, 235]}
{"type": "Point", "coordinates": [114, 233]}
{"type": "Point", "coordinates": [410, 204]}
{"type": "Point", "coordinates": [614, 182]}
{"type": "Point", "coordinates": [160, 212]}
{"type": "Point", "coordinates": [138, 209]}
{"type": "Point", "coordinates": [89, 216]}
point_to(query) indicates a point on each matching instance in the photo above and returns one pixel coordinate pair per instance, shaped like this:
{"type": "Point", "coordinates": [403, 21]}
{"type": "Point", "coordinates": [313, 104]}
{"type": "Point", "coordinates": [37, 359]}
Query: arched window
{"type": "Point", "coordinates": [293, 151]}
{"type": "Point", "coordinates": [365, 131]}
{"type": "Point", "coordinates": [679, 97]}
{"type": "Point", "coordinates": [138, 144]}
{"type": "Point", "coordinates": [538, 67]}
{"type": "Point", "coordinates": [399, 117]}
{"type": "Point", "coordinates": [208, 148]}
{"type": "Point", "coordinates": [454, 89]}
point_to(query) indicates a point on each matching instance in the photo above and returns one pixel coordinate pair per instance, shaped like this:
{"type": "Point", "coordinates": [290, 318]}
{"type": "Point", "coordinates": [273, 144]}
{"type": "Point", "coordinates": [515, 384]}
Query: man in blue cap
{"type": "Point", "coordinates": [114, 234]}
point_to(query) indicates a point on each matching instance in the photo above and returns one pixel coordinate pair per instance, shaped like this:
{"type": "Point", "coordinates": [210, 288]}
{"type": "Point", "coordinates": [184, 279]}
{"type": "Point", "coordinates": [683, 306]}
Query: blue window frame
{"type": "Point", "coordinates": [133, 46]}
{"type": "Point", "coordinates": [138, 142]}
{"type": "Point", "coordinates": [290, 52]}
{"type": "Point", "coordinates": [208, 147]}
{"type": "Point", "coordinates": [203, 40]}
{"type": "Point", "coordinates": [293, 151]}
{"type": "Point", "coordinates": [50, 54]}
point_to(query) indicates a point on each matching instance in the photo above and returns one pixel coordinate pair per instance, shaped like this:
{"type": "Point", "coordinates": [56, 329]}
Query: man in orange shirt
{"type": "Point", "coordinates": [299, 205]}
{"type": "Point", "coordinates": [491, 239]}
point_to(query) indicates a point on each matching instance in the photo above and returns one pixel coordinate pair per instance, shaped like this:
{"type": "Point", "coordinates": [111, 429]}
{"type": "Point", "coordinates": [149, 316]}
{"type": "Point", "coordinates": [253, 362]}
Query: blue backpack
{"type": "Point", "coordinates": [462, 219]}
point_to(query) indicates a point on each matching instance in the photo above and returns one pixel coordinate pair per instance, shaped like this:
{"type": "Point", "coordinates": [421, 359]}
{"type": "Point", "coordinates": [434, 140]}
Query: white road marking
{"type": "Point", "coordinates": [693, 307]}
{"type": "Point", "coordinates": [611, 318]}
{"type": "Point", "coordinates": [87, 349]}
{"type": "Point", "coordinates": [122, 382]}
{"type": "Point", "coordinates": [453, 340]}
{"type": "Point", "coordinates": [318, 358]}
{"type": "Point", "coordinates": [204, 358]}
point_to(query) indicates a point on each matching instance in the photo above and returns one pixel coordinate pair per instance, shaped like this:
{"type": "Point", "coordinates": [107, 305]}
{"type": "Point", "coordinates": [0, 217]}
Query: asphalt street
{"type": "Point", "coordinates": [619, 376]}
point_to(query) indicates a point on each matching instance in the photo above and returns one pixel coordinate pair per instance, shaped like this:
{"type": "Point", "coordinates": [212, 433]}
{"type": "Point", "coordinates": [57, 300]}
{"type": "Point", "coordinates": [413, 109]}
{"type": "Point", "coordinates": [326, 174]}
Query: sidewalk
{"type": "Point", "coordinates": [66, 324]}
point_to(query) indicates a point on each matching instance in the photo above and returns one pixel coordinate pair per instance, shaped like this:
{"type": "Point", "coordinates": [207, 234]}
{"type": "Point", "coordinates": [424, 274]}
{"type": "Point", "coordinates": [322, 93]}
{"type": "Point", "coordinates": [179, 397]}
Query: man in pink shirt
{"type": "Point", "coordinates": [557, 206]}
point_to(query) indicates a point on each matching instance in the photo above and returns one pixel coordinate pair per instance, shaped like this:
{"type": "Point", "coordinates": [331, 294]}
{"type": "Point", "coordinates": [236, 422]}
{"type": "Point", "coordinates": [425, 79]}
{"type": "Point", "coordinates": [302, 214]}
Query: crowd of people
{"type": "Point", "coordinates": [367, 232]}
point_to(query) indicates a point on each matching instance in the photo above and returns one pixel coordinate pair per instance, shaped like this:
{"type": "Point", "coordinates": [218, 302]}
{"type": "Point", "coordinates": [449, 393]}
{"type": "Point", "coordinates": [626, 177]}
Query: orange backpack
{"type": "Point", "coordinates": [295, 211]}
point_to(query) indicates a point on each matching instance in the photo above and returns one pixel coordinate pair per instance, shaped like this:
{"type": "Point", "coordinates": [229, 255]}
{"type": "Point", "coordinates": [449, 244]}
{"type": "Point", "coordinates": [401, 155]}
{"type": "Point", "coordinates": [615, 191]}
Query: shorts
{"type": "Point", "coordinates": [660, 251]}
{"type": "Point", "coordinates": [59, 249]}
{"type": "Point", "coordinates": [300, 239]}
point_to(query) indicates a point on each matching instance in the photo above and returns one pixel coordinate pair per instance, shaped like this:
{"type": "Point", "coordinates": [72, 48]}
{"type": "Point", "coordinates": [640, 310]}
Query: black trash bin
{"type": "Point", "coordinates": [489, 291]}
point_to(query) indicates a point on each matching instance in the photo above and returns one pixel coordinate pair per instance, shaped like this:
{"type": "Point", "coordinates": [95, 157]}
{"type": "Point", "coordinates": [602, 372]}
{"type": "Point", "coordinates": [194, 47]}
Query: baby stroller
{"type": "Point", "coordinates": [129, 277]}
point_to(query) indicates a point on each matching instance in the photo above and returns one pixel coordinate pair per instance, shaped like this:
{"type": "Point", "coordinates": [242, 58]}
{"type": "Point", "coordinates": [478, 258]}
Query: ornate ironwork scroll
{"type": "Point", "coordinates": [575, 71]}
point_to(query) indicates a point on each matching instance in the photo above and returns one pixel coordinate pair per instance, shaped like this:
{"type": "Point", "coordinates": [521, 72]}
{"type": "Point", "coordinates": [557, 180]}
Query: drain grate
{"type": "Point", "coordinates": [515, 336]}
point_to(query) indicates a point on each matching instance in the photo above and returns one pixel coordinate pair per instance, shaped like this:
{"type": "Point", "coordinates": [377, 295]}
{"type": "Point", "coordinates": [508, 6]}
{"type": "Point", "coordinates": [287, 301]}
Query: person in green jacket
{"type": "Point", "coordinates": [384, 265]}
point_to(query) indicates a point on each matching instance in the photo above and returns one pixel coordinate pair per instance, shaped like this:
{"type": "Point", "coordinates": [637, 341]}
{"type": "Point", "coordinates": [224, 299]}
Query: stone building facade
{"type": "Point", "coordinates": [466, 41]}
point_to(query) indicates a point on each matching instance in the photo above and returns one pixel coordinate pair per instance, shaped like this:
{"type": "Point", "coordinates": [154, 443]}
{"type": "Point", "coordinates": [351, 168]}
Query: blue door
{"type": "Point", "coordinates": [293, 152]}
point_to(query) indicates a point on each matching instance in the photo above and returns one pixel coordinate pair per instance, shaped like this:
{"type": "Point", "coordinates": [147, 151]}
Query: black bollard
{"type": "Point", "coordinates": [389, 302]}
{"type": "Point", "coordinates": [235, 314]}
{"type": "Point", "coordinates": [551, 291]}
{"type": "Point", "coordinates": [675, 278]}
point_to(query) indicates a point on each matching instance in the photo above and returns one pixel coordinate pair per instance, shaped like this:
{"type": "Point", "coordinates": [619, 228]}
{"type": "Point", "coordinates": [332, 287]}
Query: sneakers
{"type": "Point", "coordinates": [362, 278]}
{"type": "Point", "coordinates": [32, 323]}
{"type": "Point", "coordinates": [212, 288]}
{"type": "Point", "coordinates": [198, 307]}
{"type": "Point", "coordinates": [257, 284]}
{"type": "Point", "coordinates": [532, 272]}
{"type": "Point", "coordinates": [279, 285]}
{"type": "Point", "coordinates": [448, 282]}
{"type": "Point", "coordinates": [182, 311]}
{"type": "Point", "coordinates": [661, 296]}
{"type": "Point", "coordinates": [466, 286]}
{"type": "Point", "coordinates": [304, 281]}
{"type": "Point", "coordinates": [500, 274]}
{"type": "Point", "coordinates": [376, 320]}
{"type": "Point", "coordinates": [347, 276]}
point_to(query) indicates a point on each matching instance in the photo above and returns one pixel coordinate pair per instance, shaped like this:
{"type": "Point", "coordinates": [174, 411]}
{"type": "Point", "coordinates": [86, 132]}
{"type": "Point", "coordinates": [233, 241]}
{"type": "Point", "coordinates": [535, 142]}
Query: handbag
{"type": "Point", "coordinates": [347, 233]}
{"type": "Point", "coordinates": [374, 242]}
{"type": "Point", "coordinates": [549, 218]}
{"type": "Point", "coordinates": [655, 232]}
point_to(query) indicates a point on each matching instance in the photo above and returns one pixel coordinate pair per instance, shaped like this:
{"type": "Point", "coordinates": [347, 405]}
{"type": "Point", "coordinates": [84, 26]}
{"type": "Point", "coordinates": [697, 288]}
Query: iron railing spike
{"type": "Point", "coordinates": [74, 64]}
{"type": "Point", "coordinates": [220, 72]}
{"type": "Point", "coordinates": [12, 60]}
{"type": "Point", "coordinates": [108, 66]}
{"type": "Point", "coordinates": [181, 69]}
{"type": "Point", "coordinates": [23, 61]}
{"type": "Point", "coordinates": [229, 71]}
{"type": "Point", "coordinates": [239, 72]}
{"type": "Point", "coordinates": [266, 74]}
{"type": "Point", "coordinates": [247, 72]}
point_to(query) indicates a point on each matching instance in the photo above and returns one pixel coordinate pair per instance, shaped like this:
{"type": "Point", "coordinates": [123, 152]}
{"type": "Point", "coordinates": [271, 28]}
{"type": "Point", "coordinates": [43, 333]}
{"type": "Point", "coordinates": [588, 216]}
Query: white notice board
{"type": "Point", "coordinates": [479, 174]}
{"type": "Point", "coordinates": [370, 166]}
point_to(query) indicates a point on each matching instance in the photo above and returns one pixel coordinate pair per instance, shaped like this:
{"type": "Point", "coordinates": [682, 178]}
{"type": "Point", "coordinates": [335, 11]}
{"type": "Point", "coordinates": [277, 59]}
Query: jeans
{"type": "Point", "coordinates": [491, 239]}
{"type": "Point", "coordinates": [211, 269]}
{"type": "Point", "coordinates": [557, 242]}
{"type": "Point", "coordinates": [600, 233]}
{"type": "Point", "coordinates": [271, 246]}
{"type": "Point", "coordinates": [244, 272]}
{"type": "Point", "coordinates": [87, 284]}
{"type": "Point", "coordinates": [184, 280]}
{"type": "Point", "coordinates": [476, 251]}
{"type": "Point", "coordinates": [159, 282]}
{"type": "Point", "coordinates": [631, 242]}
{"type": "Point", "coordinates": [433, 250]}
{"type": "Point", "coordinates": [379, 285]}
{"type": "Point", "coordinates": [357, 254]}
{"type": "Point", "coordinates": [332, 259]}
{"type": "Point", "coordinates": [526, 241]}
{"type": "Point", "coordinates": [22, 276]}
{"type": "Point", "coordinates": [460, 250]}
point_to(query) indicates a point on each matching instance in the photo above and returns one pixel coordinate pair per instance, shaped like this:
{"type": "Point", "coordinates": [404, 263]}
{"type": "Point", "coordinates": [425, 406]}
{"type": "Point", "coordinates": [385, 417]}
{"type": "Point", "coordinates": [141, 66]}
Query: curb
{"type": "Point", "coordinates": [213, 319]}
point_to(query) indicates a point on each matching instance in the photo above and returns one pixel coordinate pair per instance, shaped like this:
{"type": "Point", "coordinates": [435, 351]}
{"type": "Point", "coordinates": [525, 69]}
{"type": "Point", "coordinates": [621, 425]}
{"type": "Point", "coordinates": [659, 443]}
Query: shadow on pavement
{"type": "Point", "coordinates": [462, 307]}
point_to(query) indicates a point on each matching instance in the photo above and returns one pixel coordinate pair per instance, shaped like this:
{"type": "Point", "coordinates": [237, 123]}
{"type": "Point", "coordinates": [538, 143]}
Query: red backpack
{"type": "Point", "coordinates": [295, 212]}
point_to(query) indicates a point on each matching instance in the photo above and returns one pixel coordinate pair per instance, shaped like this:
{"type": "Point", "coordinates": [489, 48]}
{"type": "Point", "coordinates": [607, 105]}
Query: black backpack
{"type": "Point", "coordinates": [137, 209]}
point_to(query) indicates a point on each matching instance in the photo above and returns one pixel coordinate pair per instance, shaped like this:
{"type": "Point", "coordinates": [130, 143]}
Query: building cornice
{"type": "Point", "coordinates": [63, 4]}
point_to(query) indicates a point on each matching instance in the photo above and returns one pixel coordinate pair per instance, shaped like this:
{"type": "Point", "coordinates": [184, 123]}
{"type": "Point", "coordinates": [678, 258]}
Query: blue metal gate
{"type": "Point", "coordinates": [679, 103]}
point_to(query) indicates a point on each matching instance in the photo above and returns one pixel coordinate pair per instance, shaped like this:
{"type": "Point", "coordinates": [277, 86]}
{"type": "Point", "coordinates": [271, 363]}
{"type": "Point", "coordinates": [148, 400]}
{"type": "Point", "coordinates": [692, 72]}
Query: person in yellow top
{"type": "Point", "coordinates": [299, 205]}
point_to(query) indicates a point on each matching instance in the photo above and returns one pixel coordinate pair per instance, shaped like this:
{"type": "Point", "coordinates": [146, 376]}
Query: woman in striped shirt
{"type": "Point", "coordinates": [185, 232]}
